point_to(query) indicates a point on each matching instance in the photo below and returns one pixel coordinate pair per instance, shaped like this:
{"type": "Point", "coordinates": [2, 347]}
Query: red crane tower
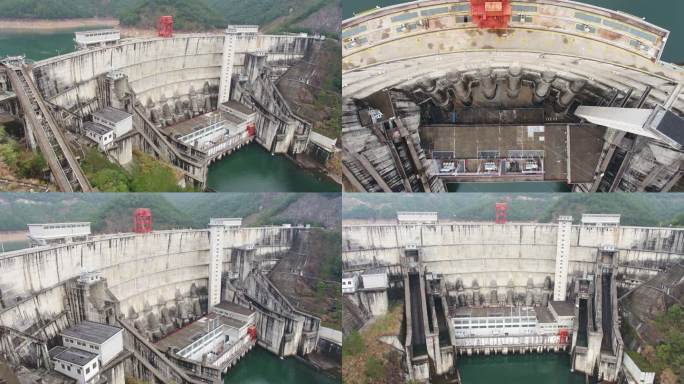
{"type": "Point", "coordinates": [501, 209]}
{"type": "Point", "coordinates": [142, 220]}
{"type": "Point", "coordinates": [165, 26]}
{"type": "Point", "coordinates": [491, 14]}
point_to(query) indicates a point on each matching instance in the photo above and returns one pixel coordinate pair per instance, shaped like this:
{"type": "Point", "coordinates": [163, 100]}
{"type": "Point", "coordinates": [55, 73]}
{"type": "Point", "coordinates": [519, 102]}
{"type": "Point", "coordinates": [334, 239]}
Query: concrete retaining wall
{"type": "Point", "coordinates": [515, 252]}
{"type": "Point", "coordinates": [141, 270]}
{"type": "Point", "coordinates": [157, 68]}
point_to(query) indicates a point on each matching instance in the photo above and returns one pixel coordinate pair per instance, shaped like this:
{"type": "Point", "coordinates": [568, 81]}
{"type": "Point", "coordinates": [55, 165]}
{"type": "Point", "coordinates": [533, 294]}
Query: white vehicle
{"type": "Point", "coordinates": [447, 167]}
{"type": "Point", "coordinates": [490, 166]}
{"type": "Point", "coordinates": [531, 166]}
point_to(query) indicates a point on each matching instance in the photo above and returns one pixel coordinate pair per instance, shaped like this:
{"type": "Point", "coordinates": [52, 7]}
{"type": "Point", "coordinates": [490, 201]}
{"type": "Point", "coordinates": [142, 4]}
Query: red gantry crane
{"type": "Point", "coordinates": [501, 213]}
{"type": "Point", "coordinates": [142, 220]}
{"type": "Point", "coordinates": [165, 26]}
{"type": "Point", "coordinates": [491, 14]}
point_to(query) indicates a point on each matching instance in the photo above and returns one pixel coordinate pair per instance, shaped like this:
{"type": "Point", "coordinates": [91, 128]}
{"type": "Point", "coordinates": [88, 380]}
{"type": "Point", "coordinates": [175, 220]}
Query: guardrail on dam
{"type": "Point", "coordinates": [428, 58]}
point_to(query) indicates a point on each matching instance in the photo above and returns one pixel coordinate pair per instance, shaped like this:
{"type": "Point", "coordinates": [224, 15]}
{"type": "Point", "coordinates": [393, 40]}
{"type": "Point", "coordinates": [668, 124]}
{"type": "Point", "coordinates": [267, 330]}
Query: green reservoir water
{"type": "Point", "coordinates": [261, 367]}
{"type": "Point", "coordinates": [663, 13]}
{"type": "Point", "coordinates": [518, 369]}
{"type": "Point", "coordinates": [36, 45]}
{"type": "Point", "coordinates": [8, 246]}
{"type": "Point", "coordinates": [253, 168]}
{"type": "Point", "coordinates": [249, 169]}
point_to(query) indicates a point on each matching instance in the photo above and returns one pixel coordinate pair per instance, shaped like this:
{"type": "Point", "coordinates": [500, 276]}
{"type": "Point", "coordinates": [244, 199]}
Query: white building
{"type": "Point", "coordinates": [601, 220]}
{"type": "Point", "coordinates": [350, 282]}
{"type": "Point", "coordinates": [42, 234]}
{"type": "Point", "coordinates": [238, 109]}
{"type": "Point", "coordinates": [100, 37]}
{"type": "Point", "coordinates": [103, 136]}
{"type": "Point", "coordinates": [119, 121]}
{"type": "Point", "coordinates": [223, 339]}
{"type": "Point", "coordinates": [106, 341]}
{"type": "Point", "coordinates": [323, 142]}
{"type": "Point", "coordinates": [375, 278]}
{"type": "Point", "coordinates": [215, 132]}
{"type": "Point", "coordinates": [79, 365]}
{"type": "Point", "coordinates": [235, 311]}
{"type": "Point", "coordinates": [509, 326]}
{"type": "Point", "coordinates": [417, 217]}
{"type": "Point", "coordinates": [563, 313]}
{"type": "Point", "coordinates": [226, 222]}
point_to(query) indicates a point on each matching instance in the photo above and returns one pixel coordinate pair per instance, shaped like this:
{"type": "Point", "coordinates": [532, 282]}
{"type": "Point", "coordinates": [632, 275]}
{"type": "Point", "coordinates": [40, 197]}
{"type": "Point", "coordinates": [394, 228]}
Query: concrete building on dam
{"type": "Point", "coordinates": [473, 288]}
{"type": "Point", "coordinates": [188, 100]}
{"type": "Point", "coordinates": [450, 91]}
{"type": "Point", "coordinates": [181, 306]}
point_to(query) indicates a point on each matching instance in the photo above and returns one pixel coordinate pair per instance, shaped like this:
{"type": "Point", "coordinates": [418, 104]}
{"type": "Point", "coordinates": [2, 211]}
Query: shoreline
{"type": "Point", "coordinates": [13, 236]}
{"type": "Point", "coordinates": [55, 25]}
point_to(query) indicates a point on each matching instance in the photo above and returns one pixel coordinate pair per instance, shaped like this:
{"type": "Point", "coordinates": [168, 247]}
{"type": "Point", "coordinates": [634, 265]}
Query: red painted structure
{"type": "Point", "coordinates": [501, 214]}
{"type": "Point", "coordinates": [252, 332]}
{"type": "Point", "coordinates": [251, 129]}
{"type": "Point", "coordinates": [491, 14]}
{"type": "Point", "coordinates": [165, 26]}
{"type": "Point", "coordinates": [563, 336]}
{"type": "Point", "coordinates": [142, 220]}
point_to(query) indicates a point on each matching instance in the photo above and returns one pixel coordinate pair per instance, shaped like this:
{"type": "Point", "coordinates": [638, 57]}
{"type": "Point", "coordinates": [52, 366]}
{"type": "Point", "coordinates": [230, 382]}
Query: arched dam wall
{"type": "Point", "coordinates": [158, 68]}
{"type": "Point", "coordinates": [145, 272]}
{"type": "Point", "coordinates": [508, 255]}
{"type": "Point", "coordinates": [554, 54]}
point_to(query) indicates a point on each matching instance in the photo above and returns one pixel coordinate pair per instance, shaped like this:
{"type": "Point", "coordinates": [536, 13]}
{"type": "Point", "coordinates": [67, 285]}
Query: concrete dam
{"type": "Point", "coordinates": [161, 82]}
{"type": "Point", "coordinates": [431, 96]}
{"type": "Point", "coordinates": [484, 288]}
{"type": "Point", "coordinates": [162, 288]}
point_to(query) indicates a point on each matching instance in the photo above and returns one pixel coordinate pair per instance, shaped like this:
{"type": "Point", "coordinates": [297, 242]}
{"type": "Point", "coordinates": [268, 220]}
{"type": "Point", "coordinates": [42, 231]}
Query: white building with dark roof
{"type": "Point", "coordinates": [103, 136]}
{"type": "Point", "coordinates": [77, 364]}
{"type": "Point", "coordinates": [43, 234]}
{"type": "Point", "coordinates": [102, 339]}
{"type": "Point", "coordinates": [96, 38]}
{"type": "Point", "coordinates": [350, 282]}
{"type": "Point", "coordinates": [119, 121]}
{"type": "Point", "coordinates": [235, 311]}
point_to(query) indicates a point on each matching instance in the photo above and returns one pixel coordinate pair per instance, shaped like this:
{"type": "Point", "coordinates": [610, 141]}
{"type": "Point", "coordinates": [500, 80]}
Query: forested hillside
{"type": "Point", "coordinates": [636, 209]}
{"type": "Point", "coordinates": [110, 213]}
{"type": "Point", "coordinates": [188, 14]}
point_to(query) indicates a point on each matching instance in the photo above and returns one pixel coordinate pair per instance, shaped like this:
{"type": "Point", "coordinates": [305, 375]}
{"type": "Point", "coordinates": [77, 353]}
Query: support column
{"type": "Point", "coordinates": [562, 258]}
{"type": "Point", "coordinates": [514, 80]}
{"type": "Point", "coordinates": [541, 91]}
{"type": "Point", "coordinates": [488, 83]}
{"type": "Point", "coordinates": [216, 247]}
{"type": "Point", "coordinates": [566, 97]}
{"type": "Point", "coordinates": [28, 132]}
{"type": "Point", "coordinates": [227, 63]}
{"type": "Point", "coordinates": [462, 91]}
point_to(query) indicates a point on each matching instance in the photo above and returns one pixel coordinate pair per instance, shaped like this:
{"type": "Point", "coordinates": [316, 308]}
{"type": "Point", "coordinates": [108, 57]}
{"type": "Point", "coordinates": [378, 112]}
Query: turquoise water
{"type": "Point", "coordinates": [262, 367]}
{"type": "Point", "coordinates": [7, 246]}
{"type": "Point", "coordinates": [37, 45]}
{"type": "Point", "coordinates": [663, 13]}
{"type": "Point", "coordinates": [253, 168]}
{"type": "Point", "coordinates": [544, 368]}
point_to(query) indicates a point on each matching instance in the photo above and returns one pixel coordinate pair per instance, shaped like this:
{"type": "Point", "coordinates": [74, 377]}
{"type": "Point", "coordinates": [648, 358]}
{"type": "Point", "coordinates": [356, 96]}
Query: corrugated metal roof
{"type": "Point", "coordinates": [91, 331]}
{"type": "Point", "coordinates": [112, 114]}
